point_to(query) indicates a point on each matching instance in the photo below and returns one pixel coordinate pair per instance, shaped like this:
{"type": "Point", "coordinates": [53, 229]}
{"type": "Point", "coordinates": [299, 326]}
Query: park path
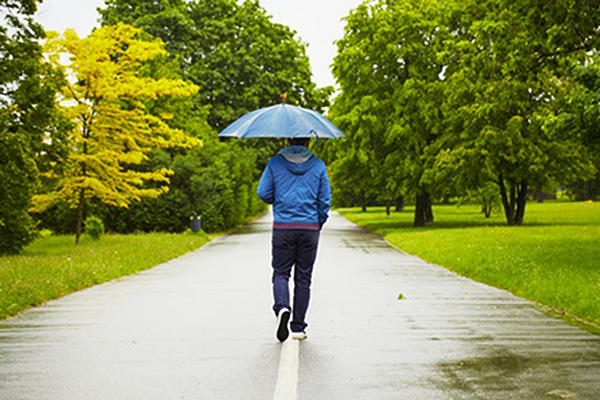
{"type": "Point", "coordinates": [200, 327]}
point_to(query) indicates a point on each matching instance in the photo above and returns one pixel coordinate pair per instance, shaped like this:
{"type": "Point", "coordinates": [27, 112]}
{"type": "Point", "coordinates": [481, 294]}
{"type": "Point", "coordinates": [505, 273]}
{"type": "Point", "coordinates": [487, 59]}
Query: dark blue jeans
{"type": "Point", "coordinates": [298, 249]}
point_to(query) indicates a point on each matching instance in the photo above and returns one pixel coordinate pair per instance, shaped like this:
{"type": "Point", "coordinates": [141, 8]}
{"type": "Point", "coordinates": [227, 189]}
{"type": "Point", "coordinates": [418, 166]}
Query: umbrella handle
{"type": "Point", "coordinates": [312, 131]}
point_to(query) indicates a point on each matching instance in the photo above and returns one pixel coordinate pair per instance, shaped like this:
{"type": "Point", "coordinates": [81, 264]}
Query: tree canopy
{"type": "Point", "coordinates": [502, 93]}
{"type": "Point", "coordinates": [443, 97]}
{"type": "Point", "coordinates": [578, 115]}
{"type": "Point", "coordinates": [240, 59]}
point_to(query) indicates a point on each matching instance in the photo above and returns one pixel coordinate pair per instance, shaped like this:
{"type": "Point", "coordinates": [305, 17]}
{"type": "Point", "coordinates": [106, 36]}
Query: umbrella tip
{"type": "Point", "coordinates": [283, 97]}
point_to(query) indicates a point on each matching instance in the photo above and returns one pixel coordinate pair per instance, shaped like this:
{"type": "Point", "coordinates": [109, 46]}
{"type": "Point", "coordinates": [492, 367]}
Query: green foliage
{"type": "Point", "coordinates": [578, 115]}
{"type": "Point", "coordinates": [241, 61]}
{"type": "Point", "coordinates": [44, 233]}
{"type": "Point", "coordinates": [389, 73]}
{"type": "Point", "coordinates": [218, 182]}
{"type": "Point", "coordinates": [504, 77]}
{"type": "Point", "coordinates": [94, 227]}
{"type": "Point", "coordinates": [61, 219]}
{"type": "Point", "coordinates": [559, 243]}
{"type": "Point", "coordinates": [446, 97]}
{"type": "Point", "coordinates": [239, 58]}
{"type": "Point", "coordinates": [27, 87]}
{"type": "Point", "coordinates": [486, 196]}
{"type": "Point", "coordinates": [53, 267]}
{"type": "Point", "coordinates": [17, 177]}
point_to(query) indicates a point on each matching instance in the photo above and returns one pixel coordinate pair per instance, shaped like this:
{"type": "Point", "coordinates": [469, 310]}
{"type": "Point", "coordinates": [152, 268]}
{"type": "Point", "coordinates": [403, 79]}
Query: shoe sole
{"type": "Point", "coordinates": [282, 331]}
{"type": "Point", "coordinates": [299, 336]}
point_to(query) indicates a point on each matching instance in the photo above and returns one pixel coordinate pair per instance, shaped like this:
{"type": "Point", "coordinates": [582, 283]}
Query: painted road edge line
{"type": "Point", "coordinates": [286, 387]}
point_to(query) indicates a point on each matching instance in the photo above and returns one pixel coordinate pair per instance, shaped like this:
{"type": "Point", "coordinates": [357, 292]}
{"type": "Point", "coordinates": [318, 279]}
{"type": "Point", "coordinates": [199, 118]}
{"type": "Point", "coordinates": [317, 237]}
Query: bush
{"type": "Point", "coordinates": [94, 227]}
{"type": "Point", "coordinates": [44, 233]}
{"type": "Point", "coordinates": [169, 212]}
{"type": "Point", "coordinates": [218, 181]}
{"type": "Point", "coordinates": [60, 218]}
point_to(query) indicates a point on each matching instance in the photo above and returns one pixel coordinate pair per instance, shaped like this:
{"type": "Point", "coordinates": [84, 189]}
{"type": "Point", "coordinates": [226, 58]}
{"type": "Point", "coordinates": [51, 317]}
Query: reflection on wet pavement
{"type": "Point", "coordinates": [201, 327]}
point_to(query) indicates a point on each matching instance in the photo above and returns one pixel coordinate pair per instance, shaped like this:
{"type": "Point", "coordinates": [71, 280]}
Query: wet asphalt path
{"type": "Point", "coordinates": [200, 327]}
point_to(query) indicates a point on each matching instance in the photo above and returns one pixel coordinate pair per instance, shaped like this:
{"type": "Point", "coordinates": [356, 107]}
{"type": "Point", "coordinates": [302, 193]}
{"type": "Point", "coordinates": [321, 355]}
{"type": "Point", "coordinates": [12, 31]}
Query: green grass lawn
{"type": "Point", "coordinates": [53, 267]}
{"type": "Point", "coordinates": [553, 259]}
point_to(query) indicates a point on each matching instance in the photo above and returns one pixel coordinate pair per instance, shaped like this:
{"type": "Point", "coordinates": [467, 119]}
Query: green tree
{"type": "Point", "coordinates": [17, 178]}
{"type": "Point", "coordinates": [578, 116]}
{"type": "Point", "coordinates": [239, 58]}
{"type": "Point", "coordinates": [505, 69]}
{"type": "Point", "coordinates": [390, 105]}
{"type": "Point", "coordinates": [113, 130]}
{"type": "Point", "coordinates": [27, 113]}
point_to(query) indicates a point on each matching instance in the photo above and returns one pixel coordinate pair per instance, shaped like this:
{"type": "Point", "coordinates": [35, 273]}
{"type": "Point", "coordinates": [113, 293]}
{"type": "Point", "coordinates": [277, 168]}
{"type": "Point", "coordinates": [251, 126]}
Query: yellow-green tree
{"type": "Point", "coordinates": [105, 96]}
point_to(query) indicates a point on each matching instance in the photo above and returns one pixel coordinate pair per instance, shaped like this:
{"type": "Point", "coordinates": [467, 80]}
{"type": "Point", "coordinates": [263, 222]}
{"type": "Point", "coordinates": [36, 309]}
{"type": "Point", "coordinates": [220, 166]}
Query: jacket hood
{"type": "Point", "coordinates": [297, 159]}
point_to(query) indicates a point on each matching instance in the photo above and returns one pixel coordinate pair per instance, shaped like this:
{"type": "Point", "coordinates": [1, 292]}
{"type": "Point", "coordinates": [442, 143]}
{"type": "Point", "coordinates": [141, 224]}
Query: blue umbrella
{"type": "Point", "coordinates": [282, 121]}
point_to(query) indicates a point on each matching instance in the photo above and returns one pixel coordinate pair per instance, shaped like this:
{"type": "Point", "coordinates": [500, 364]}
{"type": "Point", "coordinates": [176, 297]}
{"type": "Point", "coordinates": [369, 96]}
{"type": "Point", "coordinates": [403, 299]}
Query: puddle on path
{"type": "Point", "coordinates": [505, 375]}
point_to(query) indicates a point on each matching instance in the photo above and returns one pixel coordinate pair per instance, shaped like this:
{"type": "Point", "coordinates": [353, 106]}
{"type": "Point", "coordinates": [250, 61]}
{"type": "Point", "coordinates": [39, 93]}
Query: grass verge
{"type": "Point", "coordinates": [553, 259]}
{"type": "Point", "coordinates": [53, 267]}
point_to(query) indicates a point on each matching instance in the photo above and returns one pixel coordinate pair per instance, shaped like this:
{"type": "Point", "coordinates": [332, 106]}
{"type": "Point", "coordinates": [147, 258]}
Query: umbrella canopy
{"type": "Point", "coordinates": [282, 121]}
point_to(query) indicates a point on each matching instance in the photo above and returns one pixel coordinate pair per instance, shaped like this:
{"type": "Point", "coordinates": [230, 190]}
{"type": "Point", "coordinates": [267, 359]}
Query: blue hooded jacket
{"type": "Point", "coordinates": [296, 183]}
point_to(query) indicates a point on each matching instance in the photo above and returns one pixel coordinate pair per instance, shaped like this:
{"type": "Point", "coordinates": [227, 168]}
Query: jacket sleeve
{"type": "Point", "coordinates": [324, 197]}
{"type": "Point", "coordinates": [266, 187]}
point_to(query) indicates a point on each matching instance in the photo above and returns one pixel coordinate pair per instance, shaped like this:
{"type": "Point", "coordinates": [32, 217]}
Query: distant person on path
{"type": "Point", "coordinates": [296, 183]}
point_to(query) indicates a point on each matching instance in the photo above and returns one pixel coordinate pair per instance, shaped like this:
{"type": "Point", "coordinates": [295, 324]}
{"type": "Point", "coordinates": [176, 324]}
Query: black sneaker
{"type": "Point", "coordinates": [282, 332]}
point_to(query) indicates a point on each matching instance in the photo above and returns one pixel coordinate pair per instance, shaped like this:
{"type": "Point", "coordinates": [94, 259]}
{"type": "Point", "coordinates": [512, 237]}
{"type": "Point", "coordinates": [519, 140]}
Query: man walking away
{"type": "Point", "coordinates": [296, 183]}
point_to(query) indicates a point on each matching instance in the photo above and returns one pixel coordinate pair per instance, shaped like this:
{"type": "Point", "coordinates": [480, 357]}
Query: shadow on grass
{"type": "Point", "coordinates": [378, 223]}
{"type": "Point", "coordinates": [386, 227]}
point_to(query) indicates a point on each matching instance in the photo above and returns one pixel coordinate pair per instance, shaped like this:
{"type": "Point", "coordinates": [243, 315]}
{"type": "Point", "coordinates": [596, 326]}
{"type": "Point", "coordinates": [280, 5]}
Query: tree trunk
{"type": "Point", "coordinates": [514, 204]}
{"type": "Point", "coordinates": [428, 209]}
{"type": "Point", "coordinates": [419, 214]}
{"type": "Point", "coordinates": [486, 209]}
{"type": "Point", "coordinates": [363, 200]}
{"type": "Point", "coordinates": [400, 204]}
{"type": "Point", "coordinates": [422, 209]}
{"type": "Point", "coordinates": [506, 203]}
{"type": "Point", "coordinates": [78, 229]}
{"type": "Point", "coordinates": [388, 208]}
{"type": "Point", "coordinates": [521, 203]}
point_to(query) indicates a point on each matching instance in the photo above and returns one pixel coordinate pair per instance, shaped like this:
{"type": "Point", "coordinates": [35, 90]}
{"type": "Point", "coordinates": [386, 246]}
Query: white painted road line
{"type": "Point", "coordinates": [286, 387]}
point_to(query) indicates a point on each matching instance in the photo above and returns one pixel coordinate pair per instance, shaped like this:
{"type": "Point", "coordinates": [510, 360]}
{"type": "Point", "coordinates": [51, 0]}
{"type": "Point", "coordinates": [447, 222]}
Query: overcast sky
{"type": "Point", "coordinates": [317, 22]}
